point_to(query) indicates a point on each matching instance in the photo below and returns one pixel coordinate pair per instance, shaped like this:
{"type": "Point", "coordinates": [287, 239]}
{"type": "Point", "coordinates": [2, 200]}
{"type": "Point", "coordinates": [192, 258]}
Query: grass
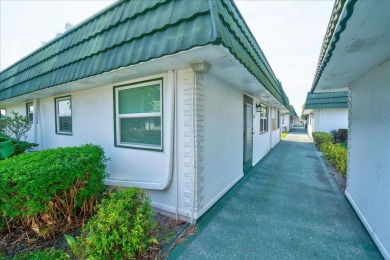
{"type": "Point", "coordinates": [284, 134]}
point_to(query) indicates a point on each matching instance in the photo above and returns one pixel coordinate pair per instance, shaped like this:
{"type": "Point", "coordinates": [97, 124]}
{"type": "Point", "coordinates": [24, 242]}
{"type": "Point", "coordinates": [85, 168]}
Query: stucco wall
{"type": "Point", "coordinates": [310, 124]}
{"type": "Point", "coordinates": [223, 139]}
{"type": "Point", "coordinates": [369, 154]}
{"type": "Point", "coordinates": [330, 119]}
{"type": "Point", "coordinates": [261, 141]}
{"type": "Point", "coordinates": [276, 134]}
{"type": "Point", "coordinates": [286, 124]}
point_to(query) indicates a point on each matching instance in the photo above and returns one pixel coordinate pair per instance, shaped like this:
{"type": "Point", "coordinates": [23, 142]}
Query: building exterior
{"type": "Point", "coordinates": [178, 93]}
{"type": "Point", "coordinates": [289, 119]}
{"type": "Point", "coordinates": [355, 57]}
{"type": "Point", "coordinates": [326, 111]}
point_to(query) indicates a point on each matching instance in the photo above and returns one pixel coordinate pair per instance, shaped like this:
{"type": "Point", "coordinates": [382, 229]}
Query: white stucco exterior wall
{"type": "Point", "coordinates": [368, 185]}
{"type": "Point", "coordinates": [223, 139]}
{"type": "Point", "coordinates": [330, 119]}
{"type": "Point", "coordinates": [285, 122]}
{"type": "Point", "coordinates": [276, 134]}
{"type": "Point", "coordinates": [261, 141]}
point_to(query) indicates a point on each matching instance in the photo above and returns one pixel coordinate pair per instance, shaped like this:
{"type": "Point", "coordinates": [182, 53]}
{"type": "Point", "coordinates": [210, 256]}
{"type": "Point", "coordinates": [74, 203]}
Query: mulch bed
{"type": "Point", "coordinates": [20, 241]}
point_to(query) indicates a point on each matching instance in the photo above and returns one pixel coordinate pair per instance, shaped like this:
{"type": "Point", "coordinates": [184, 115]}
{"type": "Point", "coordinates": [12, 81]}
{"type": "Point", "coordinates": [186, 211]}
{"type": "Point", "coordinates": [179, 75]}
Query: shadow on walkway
{"type": "Point", "coordinates": [287, 207]}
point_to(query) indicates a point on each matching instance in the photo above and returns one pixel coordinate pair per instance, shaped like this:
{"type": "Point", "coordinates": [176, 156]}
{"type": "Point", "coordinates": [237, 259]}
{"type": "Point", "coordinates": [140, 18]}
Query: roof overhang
{"type": "Point", "coordinates": [360, 42]}
{"type": "Point", "coordinates": [223, 65]}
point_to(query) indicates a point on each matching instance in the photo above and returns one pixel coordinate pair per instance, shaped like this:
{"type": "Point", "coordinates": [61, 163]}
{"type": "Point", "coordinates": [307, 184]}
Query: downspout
{"type": "Point", "coordinates": [194, 145]}
{"type": "Point", "coordinates": [175, 142]}
{"type": "Point", "coordinates": [171, 143]}
{"type": "Point", "coordinates": [35, 120]}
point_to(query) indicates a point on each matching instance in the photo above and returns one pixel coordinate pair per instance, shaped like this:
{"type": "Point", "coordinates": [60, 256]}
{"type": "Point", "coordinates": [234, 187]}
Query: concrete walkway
{"type": "Point", "coordinates": [287, 207]}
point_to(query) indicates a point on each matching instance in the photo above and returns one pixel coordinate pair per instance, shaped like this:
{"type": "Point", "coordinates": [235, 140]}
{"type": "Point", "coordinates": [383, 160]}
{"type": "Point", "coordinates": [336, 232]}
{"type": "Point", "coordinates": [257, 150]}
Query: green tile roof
{"type": "Point", "coordinates": [130, 32]}
{"type": "Point", "coordinates": [326, 100]}
{"type": "Point", "coordinates": [292, 111]}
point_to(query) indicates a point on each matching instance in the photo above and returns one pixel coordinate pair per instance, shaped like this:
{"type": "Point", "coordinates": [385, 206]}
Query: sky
{"type": "Point", "coordinates": [290, 33]}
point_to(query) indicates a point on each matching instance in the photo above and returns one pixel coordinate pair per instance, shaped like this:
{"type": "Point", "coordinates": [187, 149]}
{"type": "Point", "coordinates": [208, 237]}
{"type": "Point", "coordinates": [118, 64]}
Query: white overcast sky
{"type": "Point", "coordinates": [290, 33]}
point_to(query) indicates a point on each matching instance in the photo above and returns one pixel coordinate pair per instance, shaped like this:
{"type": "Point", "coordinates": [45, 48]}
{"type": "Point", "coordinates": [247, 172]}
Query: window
{"type": "Point", "coordinates": [263, 119]}
{"type": "Point", "coordinates": [30, 112]}
{"type": "Point", "coordinates": [138, 117]}
{"type": "Point", "coordinates": [63, 115]}
{"type": "Point", "coordinates": [2, 112]}
{"type": "Point", "coordinates": [278, 120]}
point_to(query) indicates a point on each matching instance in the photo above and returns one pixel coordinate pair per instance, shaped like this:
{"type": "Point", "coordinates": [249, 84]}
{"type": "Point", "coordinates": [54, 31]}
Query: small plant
{"type": "Point", "coordinates": [121, 228]}
{"type": "Point", "coordinates": [10, 146]}
{"type": "Point", "coordinates": [47, 254]}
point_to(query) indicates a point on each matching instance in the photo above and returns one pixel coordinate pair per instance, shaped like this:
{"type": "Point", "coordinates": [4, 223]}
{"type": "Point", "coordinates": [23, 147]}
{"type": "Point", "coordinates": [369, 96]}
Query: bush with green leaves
{"type": "Point", "coordinates": [11, 147]}
{"type": "Point", "coordinates": [51, 190]}
{"type": "Point", "coordinates": [337, 155]}
{"type": "Point", "coordinates": [121, 228]}
{"type": "Point", "coordinates": [321, 137]}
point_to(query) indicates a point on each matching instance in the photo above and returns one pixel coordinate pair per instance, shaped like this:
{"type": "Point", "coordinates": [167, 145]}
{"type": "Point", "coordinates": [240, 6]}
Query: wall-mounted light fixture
{"type": "Point", "coordinates": [258, 107]}
{"type": "Point", "coordinates": [200, 66]}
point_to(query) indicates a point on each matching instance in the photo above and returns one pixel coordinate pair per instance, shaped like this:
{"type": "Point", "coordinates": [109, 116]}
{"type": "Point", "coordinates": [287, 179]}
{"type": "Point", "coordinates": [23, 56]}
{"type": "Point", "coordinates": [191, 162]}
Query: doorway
{"type": "Point", "coordinates": [248, 133]}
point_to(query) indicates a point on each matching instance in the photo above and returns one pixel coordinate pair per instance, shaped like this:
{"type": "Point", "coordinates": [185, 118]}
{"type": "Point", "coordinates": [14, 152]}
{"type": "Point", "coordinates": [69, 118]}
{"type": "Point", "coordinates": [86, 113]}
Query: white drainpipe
{"type": "Point", "coordinates": [35, 119]}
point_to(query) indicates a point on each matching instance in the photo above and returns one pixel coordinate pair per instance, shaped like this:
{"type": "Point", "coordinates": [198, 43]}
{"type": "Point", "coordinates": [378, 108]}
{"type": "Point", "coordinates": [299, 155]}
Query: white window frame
{"type": "Point", "coordinates": [28, 111]}
{"type": "Point", "coordinates": [118, 116]}
{"type": "Point", "coordinates": [57, 115]}
{"type": "Point", "coordinates": [2, 112]}
{"type": "Point", "coordinates": [264, 118]}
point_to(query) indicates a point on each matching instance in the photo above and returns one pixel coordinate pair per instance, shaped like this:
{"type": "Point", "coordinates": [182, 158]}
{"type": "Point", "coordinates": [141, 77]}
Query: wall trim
{"type": "Point", "coordinates": [217, 197]}
{"type": "Point", "coordinates": [378, 243]}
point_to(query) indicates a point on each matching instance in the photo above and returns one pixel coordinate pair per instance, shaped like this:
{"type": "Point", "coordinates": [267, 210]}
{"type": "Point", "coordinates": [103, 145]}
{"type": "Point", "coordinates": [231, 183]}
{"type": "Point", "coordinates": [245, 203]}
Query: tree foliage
{"type": "Point", "coordinates": [15, 126]}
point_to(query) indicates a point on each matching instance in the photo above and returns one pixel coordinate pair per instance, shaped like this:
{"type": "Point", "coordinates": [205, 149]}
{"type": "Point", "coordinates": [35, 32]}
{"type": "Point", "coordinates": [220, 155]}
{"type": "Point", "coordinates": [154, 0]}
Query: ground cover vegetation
{"type": "Point", "coordinates": [46, 194]}
{"type": "Point", "coordinates": [334, 147]}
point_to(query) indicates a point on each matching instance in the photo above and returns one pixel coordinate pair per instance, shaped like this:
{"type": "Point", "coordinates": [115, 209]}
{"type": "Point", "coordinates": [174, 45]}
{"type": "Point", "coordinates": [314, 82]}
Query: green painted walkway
{"type": "Point", "coordinates": [287, 207]}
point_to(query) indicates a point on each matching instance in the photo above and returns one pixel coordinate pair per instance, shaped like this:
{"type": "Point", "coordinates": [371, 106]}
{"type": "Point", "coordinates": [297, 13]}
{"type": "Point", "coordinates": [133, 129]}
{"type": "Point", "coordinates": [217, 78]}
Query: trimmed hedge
{"type": "Point", "coordinates": [335, 153]}
{"type": "Point", "coordinates": [321, 137]}
{"type": "Point", "coordinates": [121, 228]}
{"type": "Point", "coordinates": [45, 191]}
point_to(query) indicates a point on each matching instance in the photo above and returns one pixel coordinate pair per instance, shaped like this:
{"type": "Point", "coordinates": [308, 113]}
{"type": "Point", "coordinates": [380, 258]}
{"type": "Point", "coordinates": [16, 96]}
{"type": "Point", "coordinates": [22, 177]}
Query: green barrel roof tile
{"type": "Point", "coordinates": [130, 32]}
{"type": "Point", "coordinates": [327, 100]}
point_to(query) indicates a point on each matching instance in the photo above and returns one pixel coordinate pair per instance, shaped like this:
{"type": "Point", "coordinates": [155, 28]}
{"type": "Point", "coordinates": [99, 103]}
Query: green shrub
{"type": "Point", "coordinates": [343, 135]}
{"type": "Point", "coordinates": [337, 155]}
{"type": "Point", "coordinates": [321, 137]}
{"type": "Point", "coordinates": [11, 147]}
{"type": "Point", "coordinates": [45, 190]}
{"type": "Point", "coordinates": [48, 254]}
{"type": "Point", "coordinates": [121, 228]}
